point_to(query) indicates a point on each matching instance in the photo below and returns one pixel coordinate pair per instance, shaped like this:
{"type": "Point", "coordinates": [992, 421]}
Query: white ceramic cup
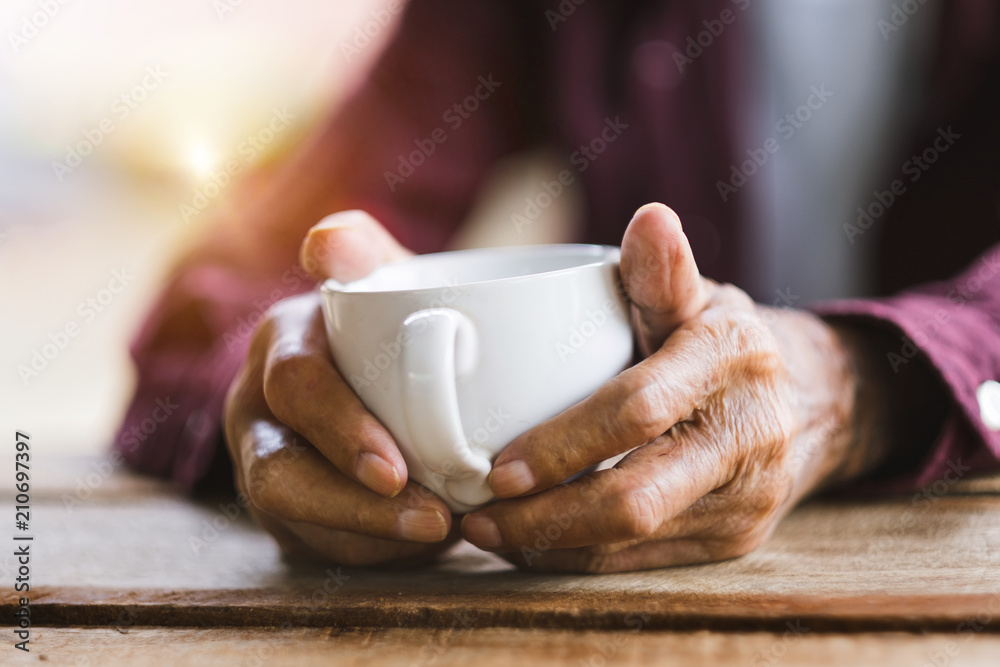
{"type": "Point", "coordinates": [458, 353]}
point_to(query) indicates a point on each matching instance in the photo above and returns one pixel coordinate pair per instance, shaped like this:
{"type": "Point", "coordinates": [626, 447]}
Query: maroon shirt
{"type": "Point", "coordinates": [565, 84]}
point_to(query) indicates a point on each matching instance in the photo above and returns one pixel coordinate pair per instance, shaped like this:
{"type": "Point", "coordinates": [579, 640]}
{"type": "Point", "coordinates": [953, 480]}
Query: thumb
{"type": "Point", "coordinates": [660, 275]}
{"type": "Point", "coordinates": [347, 246]}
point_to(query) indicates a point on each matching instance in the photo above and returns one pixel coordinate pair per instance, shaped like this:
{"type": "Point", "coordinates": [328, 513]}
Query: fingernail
{"type": "Point", "coordinates": [349, 218]}
{"type": "Point", "coordinates": [321, 239]}
{"type": "Point", "coordinates": [481, 531]}
{"type": "Point", "coordinates": [422, 525]}
{"type": "Point", "coordinates": [377, 474]}
{"type": "Point", "coordinates": [511, 479]}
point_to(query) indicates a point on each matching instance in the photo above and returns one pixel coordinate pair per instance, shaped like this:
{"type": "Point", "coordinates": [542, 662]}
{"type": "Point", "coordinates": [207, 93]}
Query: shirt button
{"type": "Point", "coordinates": [988, 396]}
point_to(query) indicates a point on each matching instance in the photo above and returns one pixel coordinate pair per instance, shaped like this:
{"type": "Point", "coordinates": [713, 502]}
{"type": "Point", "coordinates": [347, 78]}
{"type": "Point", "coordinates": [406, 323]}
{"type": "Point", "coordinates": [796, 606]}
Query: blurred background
{"type": "Point", "coordinates": [165, 92]}
{"type": "Point", "coordinates": [113, 116]}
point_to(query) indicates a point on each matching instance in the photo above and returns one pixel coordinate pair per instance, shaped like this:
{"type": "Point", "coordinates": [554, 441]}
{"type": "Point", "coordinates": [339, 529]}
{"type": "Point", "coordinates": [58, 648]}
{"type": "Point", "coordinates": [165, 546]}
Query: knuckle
{"type": "Point", "coordinates": [263, 488]}
{"type": "Point", "coordinates": [735, 525]}
{"type": "Point", "coordinates": [733, 296]}
{"type": "Point", "coordinates": [741, 545]}
{"type": "Point", "coordinates": [743, 337]}
{"type": "Point", "coordinates": [755, 515]}
{"type": "Point", "coordinates": [642, 404]}
{"type": "Point", "coordinates": [590, 561]}
{"type": "Point", "coordinates": [636, 512]}
{"type": "Point", "coordinates": [775, 499]}
{"type": "Point", "coordinates": [285, 373]}
{"type": "Point", "coordinates": [776, 424]}
{"type": "Point", "coordinates": [768, 503]}
{"type": "Point", "coordinates": [362, 522]}
{"type": "Point", "coordinates": [748, 334]}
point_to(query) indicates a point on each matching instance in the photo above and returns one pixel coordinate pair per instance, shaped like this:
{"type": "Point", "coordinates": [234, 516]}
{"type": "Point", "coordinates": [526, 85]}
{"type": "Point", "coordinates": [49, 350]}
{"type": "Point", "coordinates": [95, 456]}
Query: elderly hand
{"type": "Point", "coordinates": [318, 470]}
{"type": "Point", "coordinates": [736, 413]}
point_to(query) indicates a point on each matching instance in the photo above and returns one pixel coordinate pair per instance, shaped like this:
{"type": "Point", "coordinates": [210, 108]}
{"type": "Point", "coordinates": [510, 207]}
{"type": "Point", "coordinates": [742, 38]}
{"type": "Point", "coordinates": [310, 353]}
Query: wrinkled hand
{"type": "Point", "coordinates": [319, 471]}
{"type": "Point", "coordinates": [737, 412]}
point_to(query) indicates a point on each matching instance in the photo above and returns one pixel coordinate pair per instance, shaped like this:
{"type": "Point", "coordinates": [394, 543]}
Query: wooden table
{"type": "Point", "coordinates": [125, 571]}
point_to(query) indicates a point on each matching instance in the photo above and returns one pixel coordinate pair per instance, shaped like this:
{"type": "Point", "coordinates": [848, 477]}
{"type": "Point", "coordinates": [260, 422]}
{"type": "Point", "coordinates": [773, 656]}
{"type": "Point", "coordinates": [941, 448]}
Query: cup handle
{"type": "Point", "coordinates": [441, 346]}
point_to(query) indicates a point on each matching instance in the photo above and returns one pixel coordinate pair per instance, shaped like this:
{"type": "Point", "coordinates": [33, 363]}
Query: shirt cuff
{"type": "Point", "coordinates": [950, 338]}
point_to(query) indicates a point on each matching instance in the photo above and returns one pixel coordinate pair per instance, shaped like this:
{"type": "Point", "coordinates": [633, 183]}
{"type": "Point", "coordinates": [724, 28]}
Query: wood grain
{"type": "Point", "coordinates": [492, 647]}
{"type": "Point", "coordinates": [133, 549]}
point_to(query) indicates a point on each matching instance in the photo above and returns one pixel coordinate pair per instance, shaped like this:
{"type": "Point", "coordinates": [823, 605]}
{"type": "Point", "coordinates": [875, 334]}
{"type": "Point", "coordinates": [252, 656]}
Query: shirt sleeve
{"type": "Point", "coordinates": [954, 326]}
{"type": "Point", "coordinates": [412, 145]}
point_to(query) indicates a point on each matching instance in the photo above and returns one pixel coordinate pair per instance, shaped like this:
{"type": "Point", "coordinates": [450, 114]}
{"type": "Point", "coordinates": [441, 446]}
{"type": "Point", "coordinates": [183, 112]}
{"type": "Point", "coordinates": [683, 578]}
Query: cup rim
{"type": "Point", "coordinates": [601, 254]}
